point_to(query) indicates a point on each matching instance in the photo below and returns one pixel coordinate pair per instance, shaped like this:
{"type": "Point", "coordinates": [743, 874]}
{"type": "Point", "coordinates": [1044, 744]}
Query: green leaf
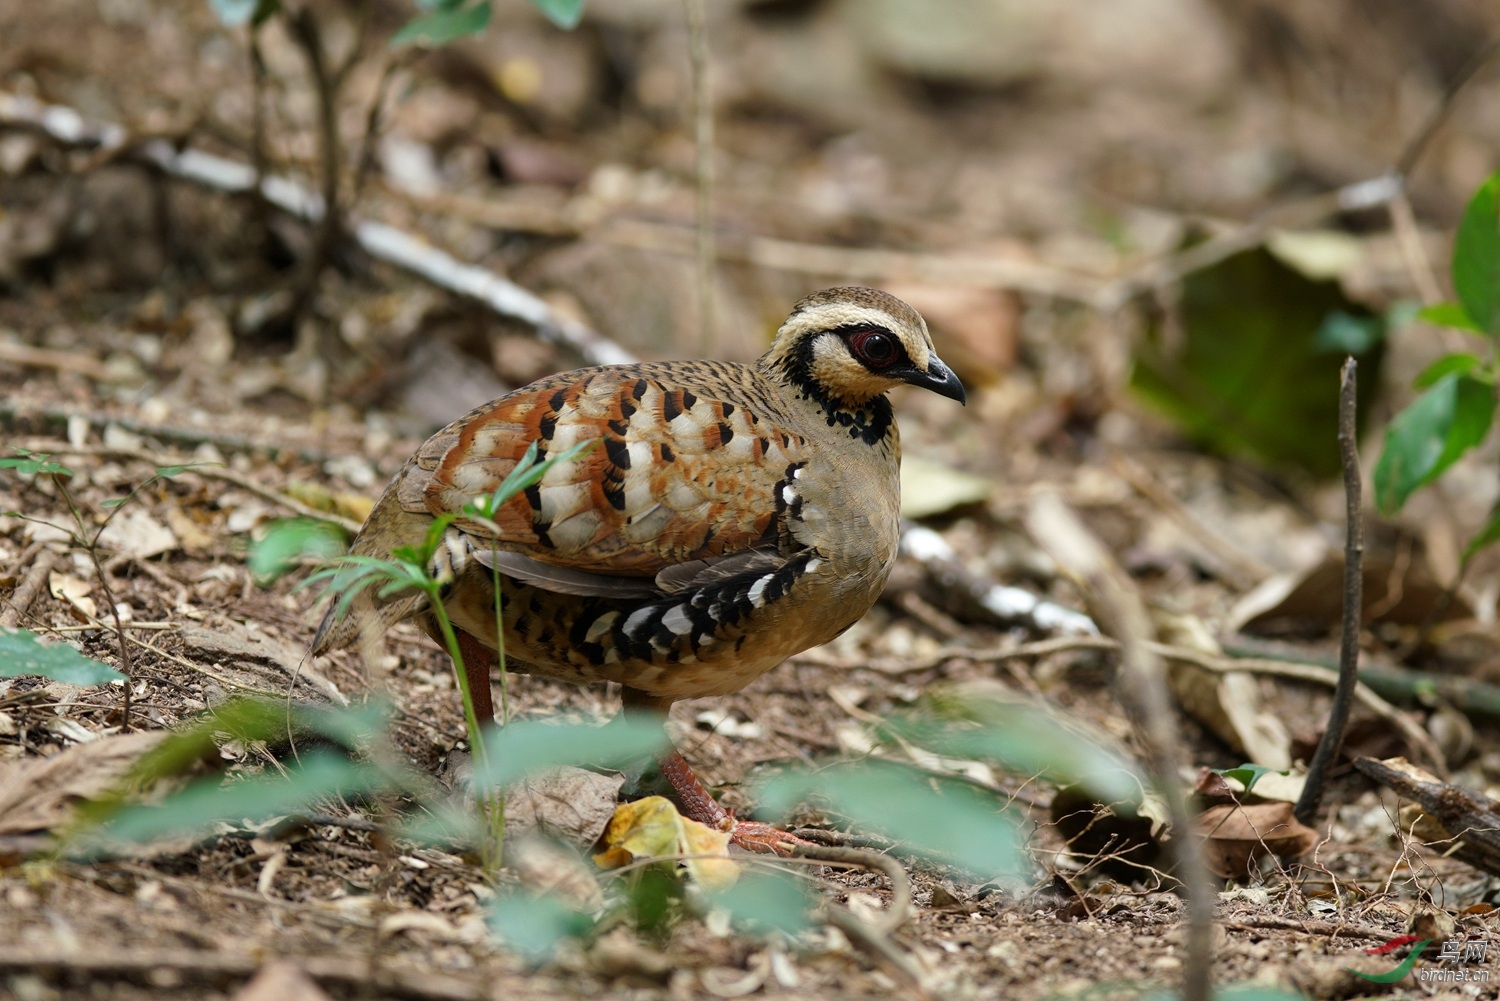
{"type": "Point", "coordinates": [443, 25]}
{"type": "Point", "coordinates": [1243, 372]}
{"type": "Point", "coordinates": [767, 901]}
{"type": "Point", "coordinates": [535, 926]}
{"type": "Point", "coordinates": [287, 541]}
{"type": "Point", "coordinates": [1476, 257]}
{"type": "Point", "coordinates": [167, 472]}
{"type": "Point", "coordinates": [1454, 363]}
{"type": "Point", "coordinates": [30, 464]}
{"type": "Point", "coordinates": [22, 653]}
{"type": "Point", "coordinates": [350, 575]}
{"type": "Point", "coordinates": [526, 747]}
{"type": "Point", "coordinates": [250, 720]}
{"type": "Point", "coordinates": [233, 13]}
{"type": "Point", "coordinates": [563, 13]}
{"type": "Point", "coordinates": [1430, 435]}
{"type": "Point", "coordinates": [1448, 314]}
{"type": "Point", "coordinates": [945, 820]}
{"type": "Point", "coordinates": [1248, 774]}
{"type": "Point", "coordinates": [196, 809]}
{"type": "Point", "coordinates": [526, 473]}
{"type": "Point", "coordinates": [1346, 334]}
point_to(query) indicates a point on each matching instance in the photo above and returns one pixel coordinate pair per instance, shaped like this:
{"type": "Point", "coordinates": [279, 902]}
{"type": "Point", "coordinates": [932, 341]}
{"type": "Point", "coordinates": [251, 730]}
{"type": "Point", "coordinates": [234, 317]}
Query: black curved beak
{"type": "Point", "coordinates": [939, 378]}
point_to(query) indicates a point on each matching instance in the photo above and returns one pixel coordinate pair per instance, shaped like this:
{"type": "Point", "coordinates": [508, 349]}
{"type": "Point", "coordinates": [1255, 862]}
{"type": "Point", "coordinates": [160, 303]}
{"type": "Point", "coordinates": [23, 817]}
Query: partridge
{"type": "Point", "coordinates": [732, 516]}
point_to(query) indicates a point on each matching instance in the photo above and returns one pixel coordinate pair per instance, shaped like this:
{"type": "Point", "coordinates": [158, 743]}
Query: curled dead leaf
{"type": "Point", "coordinates": [1236, 838]}
{"type": "Point", "coordinates": [652, 828]}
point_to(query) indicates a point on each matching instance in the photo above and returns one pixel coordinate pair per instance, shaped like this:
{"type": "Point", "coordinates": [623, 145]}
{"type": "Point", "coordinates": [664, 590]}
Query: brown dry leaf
{"type": "Point", "coordinates": [40, 795]}
{"type": "Point", "coordinates": [1228, 704]}
{"type": "Point", "coordinates": [356, 507]}
{"type": "Point", "coordinates": [195, 540]}
{"type": "Point", "coordinates": [74, 592]}
{"type": "Point", "coordinates": [281, 980]}
{"type": "Point", "coordinates": [571, 804]}
{"type": "Point", "coordinates": [1237, 837]}
{"type": "Point", "coordinates": [1396, 590]}
{"type": "Point", "coordinates": [652, 828]}
{"type": "Point", "coordinates": [134, 532]}
{"type": "Point", "coordinates": [1213, 788]}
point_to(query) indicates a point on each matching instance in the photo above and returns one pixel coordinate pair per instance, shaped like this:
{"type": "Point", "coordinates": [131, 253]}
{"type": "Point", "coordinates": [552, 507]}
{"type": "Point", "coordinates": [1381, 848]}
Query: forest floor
{"type": "Point", "coordinates": [124, 348]}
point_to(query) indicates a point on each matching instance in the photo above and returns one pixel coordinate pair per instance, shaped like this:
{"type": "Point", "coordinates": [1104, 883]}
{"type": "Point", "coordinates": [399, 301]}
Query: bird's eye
{"type": "Point", "coordinates": [875, 348]}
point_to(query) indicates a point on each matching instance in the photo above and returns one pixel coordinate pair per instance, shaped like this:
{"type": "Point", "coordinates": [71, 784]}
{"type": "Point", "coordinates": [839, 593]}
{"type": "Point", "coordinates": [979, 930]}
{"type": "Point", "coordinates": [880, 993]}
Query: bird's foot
{"type": "Point", "coordinates": [697, 803]}
{"type": "Point", "coordinates": [763, 839]}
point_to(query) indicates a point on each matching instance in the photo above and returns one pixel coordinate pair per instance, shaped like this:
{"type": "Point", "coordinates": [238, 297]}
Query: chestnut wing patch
{"type": "Point", "coordinates": [677, 475]}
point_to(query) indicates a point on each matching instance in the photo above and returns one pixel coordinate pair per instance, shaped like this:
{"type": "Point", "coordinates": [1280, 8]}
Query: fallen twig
{"type": "Point", "coordinates": [1405, 683]}
{"type": "Point", "coordinates": [899, 910]}
{"type": "Point", "coordinates": [382, 242]}
{"type": "Point", "coordinates": [1332, 929]}
{"type": "Point", "coordinates": [32, 585]}
{"type": "Point", "coordinates": [1471, 822]}
{"type": "Point", "coordinates": [27, 356]}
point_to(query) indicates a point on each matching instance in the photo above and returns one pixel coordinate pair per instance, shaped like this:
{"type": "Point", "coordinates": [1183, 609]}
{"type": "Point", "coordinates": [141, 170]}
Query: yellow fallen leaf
{"type": "Point", "coordinates": [652, 828]}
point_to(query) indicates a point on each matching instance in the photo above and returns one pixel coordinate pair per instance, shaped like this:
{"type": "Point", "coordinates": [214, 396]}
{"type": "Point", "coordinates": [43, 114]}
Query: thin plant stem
{"type": "Point", "coordinates": [500, 647]}
{"type": "Point", "coordinates": [491, 803]}
{"type": "Point", "coordinates": [91, 545]}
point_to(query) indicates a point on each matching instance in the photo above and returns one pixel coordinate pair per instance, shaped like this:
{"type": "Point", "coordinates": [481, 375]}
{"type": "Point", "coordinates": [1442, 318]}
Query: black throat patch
{"type": "Point", "coordinates": [868, 422]}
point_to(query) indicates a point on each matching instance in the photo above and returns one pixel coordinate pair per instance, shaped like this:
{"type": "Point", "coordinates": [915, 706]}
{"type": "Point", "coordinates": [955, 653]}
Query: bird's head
{"type": "Point", "coordinates": [849, 345]}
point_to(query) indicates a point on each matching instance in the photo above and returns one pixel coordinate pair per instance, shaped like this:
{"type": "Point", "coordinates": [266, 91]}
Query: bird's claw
{"type": "Point", "coordinates": [763, 839]}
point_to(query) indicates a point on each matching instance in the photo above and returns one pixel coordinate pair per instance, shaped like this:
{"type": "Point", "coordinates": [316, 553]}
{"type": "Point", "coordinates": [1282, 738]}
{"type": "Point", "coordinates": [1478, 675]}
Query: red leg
{"type": "Point", "coordinates": [477, 661]}
{"type": "Point", "coordinates": [695, 799]}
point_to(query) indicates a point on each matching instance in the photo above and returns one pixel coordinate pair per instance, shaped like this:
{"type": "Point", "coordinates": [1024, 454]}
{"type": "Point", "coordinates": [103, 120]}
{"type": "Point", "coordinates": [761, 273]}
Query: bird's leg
{"type": "Point", "coordinates": [694, 797]}
{"type": "Point", "coordinates": [477, 661]}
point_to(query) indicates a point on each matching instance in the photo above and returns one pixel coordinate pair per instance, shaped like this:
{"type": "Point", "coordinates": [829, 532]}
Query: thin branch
{"type": "Point", "coordinates": [304, 30]}
{"type": "Point", "coordinates": [375, 120]}
{"type": "Point", "coordinates": [1332, 741]}
{"type": "Point", "coordinates": [899, 910]}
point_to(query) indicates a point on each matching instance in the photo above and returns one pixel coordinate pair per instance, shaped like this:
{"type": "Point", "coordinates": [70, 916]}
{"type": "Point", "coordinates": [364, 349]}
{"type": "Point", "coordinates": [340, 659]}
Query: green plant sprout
{"type": "Point", "coordinates": [1457, 405]}
{"type": "Point", "coordinates": [53, 662]}
{"type": "Point", "coordinates": [412, 568]}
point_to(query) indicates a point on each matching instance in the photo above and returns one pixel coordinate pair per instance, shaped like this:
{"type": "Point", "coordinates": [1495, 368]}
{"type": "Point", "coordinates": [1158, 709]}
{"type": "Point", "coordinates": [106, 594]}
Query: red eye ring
{"type": "Point", "coordinates": [876, 349]}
